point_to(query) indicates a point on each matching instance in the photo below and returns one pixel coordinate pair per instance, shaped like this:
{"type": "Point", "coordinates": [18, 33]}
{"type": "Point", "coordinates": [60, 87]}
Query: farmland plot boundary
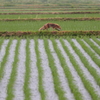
{"type": "Point", "coordinates": [50, 13]}
{"type": "Point", "coordinates": [50, 33]}
{"type": "Point", "coordinates": [52, 19]}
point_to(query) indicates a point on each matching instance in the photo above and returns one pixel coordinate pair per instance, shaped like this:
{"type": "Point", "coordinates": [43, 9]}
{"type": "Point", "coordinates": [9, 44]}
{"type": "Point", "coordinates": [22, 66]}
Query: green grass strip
{"type": "Point", "coordinates": [40, 71]}
{"type": "Point", "coordinates": [86, 82]}
{"type": "Point", "coordinates": [3, 63]}
{"type": "Point", "coordinates": [96, 40]}
{"type": "Point", "coordinates": [72, 85]}
{"type": "Point", "coordinates": [27, 92]}
{"type": "Point", "coordinates": [90, 53]}
{"type": "Point", "coordinates": [57, 85]}
{"type": "Point", "coordinates": [10, 89]}
{"type": "Point", "coordinates": [92, 45]}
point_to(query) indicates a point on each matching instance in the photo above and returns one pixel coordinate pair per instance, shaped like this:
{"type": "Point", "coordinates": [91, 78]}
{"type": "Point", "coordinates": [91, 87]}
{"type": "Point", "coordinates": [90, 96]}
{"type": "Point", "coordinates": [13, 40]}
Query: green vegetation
{"type": "Point", "coordinates": [97, 41]}
{"type": "Point", "coordinates": [10, 86]}
{"type": "Point", "coordinates": [5, 58]}
{"type": "Point", "coordinates": [18, 18]}
{"type": "Point", "coordinates": [27, 73]}
{"type": "Point", "coordinates": [48, 16]}
{"type": "Point", "coordinates": [1, 42]}
{"type": "Point", "coordinates": [85, 62]}
{"type": "Point", "coordinates": [40, 71]}
{"type": "Point", "coordinates": [86, 82]}
{"type": "Point", "coordinates": [72, 85]}
{"type": "Point", "coordinates": [35, 25]}
{"type": "Point", "coordinates": [93, 46]}
{"type": "Point", "coordinates": [90, 52]}
{"type": "Point", "coordinates": [56, 80]}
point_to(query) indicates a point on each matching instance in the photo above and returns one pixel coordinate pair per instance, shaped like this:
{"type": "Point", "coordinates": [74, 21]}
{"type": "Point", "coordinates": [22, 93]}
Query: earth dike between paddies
{"type": "Point", "coordinates": [50, 33]}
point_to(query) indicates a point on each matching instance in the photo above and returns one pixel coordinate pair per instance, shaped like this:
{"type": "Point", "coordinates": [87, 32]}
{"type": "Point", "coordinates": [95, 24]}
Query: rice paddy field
{"type": "Point", "coordinates": [50, 65]}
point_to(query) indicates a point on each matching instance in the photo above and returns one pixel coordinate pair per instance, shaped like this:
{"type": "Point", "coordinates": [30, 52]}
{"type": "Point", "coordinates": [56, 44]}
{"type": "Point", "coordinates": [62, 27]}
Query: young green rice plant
{"type": "Point", "coordinates": [3, 63]}
{"type": "Point", "coordinates": [10, 89]}
{"type": "Point", "coordinates": [92, 45]}
{"type": "Point", "coordinates": [85, 62]}
{"type": "Point", "coordinates": [1, 42]}
{"type": "Point", "coordinates": [96, 40]}
{"type": "Point", "coordinates": [86, 82]}
{"type": "Point", "coordinates": [57, 85]}
{"type": "Point", "coordinates": [27, 72]}
{"type": "Point", "coordinates": [40, 70]}
{"type": "Point", "coordinates": [89, 51]}
{"type": "Point", "coordinates": [72, 85]}
{"type": "Point", "coordinates": [24, 16]}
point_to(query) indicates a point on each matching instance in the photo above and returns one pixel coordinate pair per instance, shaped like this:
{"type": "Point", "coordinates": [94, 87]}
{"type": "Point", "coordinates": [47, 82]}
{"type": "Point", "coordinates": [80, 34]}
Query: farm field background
{"type": "Point", "coordinates": [30, 17]}
{"type": "Point", "coordinates": [49, 65]}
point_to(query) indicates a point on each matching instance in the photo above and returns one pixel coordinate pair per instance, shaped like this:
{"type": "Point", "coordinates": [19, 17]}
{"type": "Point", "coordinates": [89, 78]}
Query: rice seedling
{"type": "Point", "coordinates": [92, 45]}
{"type": "Point", "coordinates": [86, 82]}
{"type": "Point", "coordinates": [1, 41]}
{"type": "Point", "coordinates": [86, 63]}
{"type": "Point", "coordinates": [57, 85]}
{"type": "Point", "coordinates": [88, 74]}
{"type": "Point", "coordinates": [10, 86]}
{"type": "Point", "coordinates": [40, 71]}
{"type": "Point", "coordinates": [5, 59]}
{"type": "Point", "coordinates": [97, 41]}
{"type": "Point", "coordinates": [72, 85]}
{"type": "Point", "coordinates": [74, 72]}
{"type": "Point", "coordinates": [27, 73]}
{"type": "Point", "coordinates": [89, 51]}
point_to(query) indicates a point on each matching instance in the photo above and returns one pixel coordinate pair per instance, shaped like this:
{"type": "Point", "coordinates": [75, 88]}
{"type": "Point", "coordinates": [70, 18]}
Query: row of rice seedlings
{"type": "Point", "coordinates": [72, 85]}
{"type": "Point", "coordinates": [86, 82]}
{"type": "Point", "coordinates": [92, 45]}
{"type": "Point", "coordinates": [56, 80]}
{"type": "Point", "coordinates": [1, 42]}
{"type": "Point", "coordinates": [19, 83]}
{"type": "Point", "coordinates": [48, 16]}
{"type": "Point", "coordinates": [5, 10]}
{"type": "Point", "coordinates": [90, 52]}
{"type": "Point", "coordinates": [96, 54]}
{"type": "Point", "coordinates": [50, 11]}
{"type": "Point", "coordinates": [40, 71]}
{"type": "Point", "coordinates": [91, 69]}
{"type": "Point", "coordinates": [27, 72]}
{"type": "Point", "coordinates": [5, 59]}
{"type": "Point", "coordinates": [97, 41]}
{"type": "Point", "coordinates": [10, 89]}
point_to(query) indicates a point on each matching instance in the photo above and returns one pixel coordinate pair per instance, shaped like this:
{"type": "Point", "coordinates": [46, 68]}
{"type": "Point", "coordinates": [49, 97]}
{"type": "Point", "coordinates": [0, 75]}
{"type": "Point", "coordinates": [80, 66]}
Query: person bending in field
{"type": "Point", "coordinates": [50, 25]}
